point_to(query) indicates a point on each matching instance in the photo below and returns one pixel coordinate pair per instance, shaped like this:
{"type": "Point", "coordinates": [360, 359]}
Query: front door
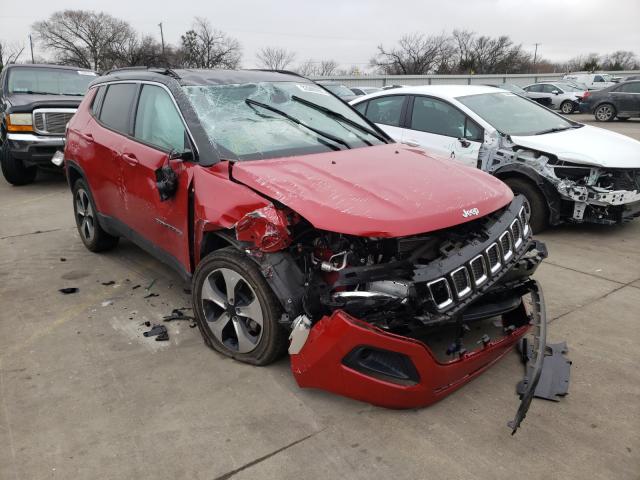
{"type": "Point", "coordinates": [386, 112]}
{"type": "Point", "coordinates": [442, 129]}
{"type": "Point", "coordinates": [158, 131]}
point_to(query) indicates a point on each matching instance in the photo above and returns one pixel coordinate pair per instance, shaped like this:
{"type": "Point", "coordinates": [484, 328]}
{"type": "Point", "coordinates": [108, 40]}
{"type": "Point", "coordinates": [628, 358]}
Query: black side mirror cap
{"type": "Point", "coordinates": [185, 155]}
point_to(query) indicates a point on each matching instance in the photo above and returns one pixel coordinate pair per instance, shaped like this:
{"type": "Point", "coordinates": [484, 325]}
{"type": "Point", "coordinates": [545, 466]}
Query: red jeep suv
{"type": "Point", "coordinates": [392, 277]}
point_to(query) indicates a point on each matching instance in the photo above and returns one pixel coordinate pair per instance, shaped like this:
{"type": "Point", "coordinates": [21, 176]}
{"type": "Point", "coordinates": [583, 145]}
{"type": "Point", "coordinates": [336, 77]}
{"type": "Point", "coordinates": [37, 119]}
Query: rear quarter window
{"type": "Point", "coordinates": [116, 106]}
{"type": "Point", "coordinates": [97, 101]}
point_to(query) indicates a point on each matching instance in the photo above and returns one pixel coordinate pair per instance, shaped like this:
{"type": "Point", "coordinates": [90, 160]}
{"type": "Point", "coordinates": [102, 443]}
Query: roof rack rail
{"type": "Point", "coordinates": [287, 72]}
{"type": "Point", "coordinates": [161, 70]}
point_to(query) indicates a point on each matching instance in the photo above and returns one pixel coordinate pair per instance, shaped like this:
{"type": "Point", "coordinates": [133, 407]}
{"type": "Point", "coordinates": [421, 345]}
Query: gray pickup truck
{"type": "Point", "coordinates": [36, 102]}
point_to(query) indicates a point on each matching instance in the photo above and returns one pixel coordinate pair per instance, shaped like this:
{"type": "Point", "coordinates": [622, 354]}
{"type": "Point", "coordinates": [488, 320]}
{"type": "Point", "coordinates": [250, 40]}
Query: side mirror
{"type": "Point", "coordinates": [555, 92]}
{"type": "Point", "coordinates": [185, 155]}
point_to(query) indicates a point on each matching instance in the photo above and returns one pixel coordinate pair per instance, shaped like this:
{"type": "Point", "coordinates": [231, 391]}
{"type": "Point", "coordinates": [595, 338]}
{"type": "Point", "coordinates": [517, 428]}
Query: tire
{"type": "Point", "coordinates": [85, 213]}
{"type": "Point", "coordinates": [538, 208]}
{"type": "Point", "coordinates": [236, 310]}
{"type": "Point", "coordinates": [567, 107]}
{"type": "Point", "coordinates": [605, 112]}
{"type": "Point", "coordinates": [14, 170]}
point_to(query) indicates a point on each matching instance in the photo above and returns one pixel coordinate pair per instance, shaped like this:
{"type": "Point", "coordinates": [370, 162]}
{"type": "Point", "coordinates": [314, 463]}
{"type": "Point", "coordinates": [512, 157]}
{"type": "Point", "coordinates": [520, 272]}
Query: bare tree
{"type": "Point", "coordinates": [9, 54]}
{"type": "Point", "coordinates": [416, 54]}
{"type": "Point", "coordinates": [307, 68]}
{"type": "Point", "coordinates": [620, 60]}
{"type": "Point", "coordinates": [143, 50]}
{"type": "Point", "coordinates": [205, 47]}
{"type": "Point", "coordinates": [275, 58]}
{"type": "Point", "coordinates": [327, 68]}
{"type": "Point", "coordinates": [84, 38]}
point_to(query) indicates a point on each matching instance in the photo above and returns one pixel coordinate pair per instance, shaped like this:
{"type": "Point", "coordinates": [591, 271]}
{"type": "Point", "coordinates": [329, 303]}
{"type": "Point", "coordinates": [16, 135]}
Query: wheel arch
{"type": "Point", "coordinates": [545, 187]}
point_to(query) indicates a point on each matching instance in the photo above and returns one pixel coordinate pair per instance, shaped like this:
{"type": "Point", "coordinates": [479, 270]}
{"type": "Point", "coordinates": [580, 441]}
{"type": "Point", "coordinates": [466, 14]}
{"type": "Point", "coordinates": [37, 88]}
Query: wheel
{"type": "Point", "coordinates": [605, 112]}
{"type": "Point", "coordinates": [534, 202]}
{"type": "Point", "coordinates": [235, 309]}
{"type": "Point", "coordinates": [623, 119]}
{"type": "Point", "coordinates": [85, 213]}
{"type": "Point", "coordinates": [567, 107]}
{"type": "Point", "coordinates": [14, 170]}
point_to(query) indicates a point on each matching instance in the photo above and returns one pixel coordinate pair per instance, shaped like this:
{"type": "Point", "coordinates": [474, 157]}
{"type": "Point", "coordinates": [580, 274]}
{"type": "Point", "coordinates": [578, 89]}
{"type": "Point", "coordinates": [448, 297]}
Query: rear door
{"type": "Point", "coordinates": [387, 112]}
{"type": "Point", "coordinates": [442, 129]}
{"type": "Point", "coordinates": [627, 99]}
{"type": "Point", "coordinates": [104, 137]}
{"type": "Point", "coordinates": [158, 129]}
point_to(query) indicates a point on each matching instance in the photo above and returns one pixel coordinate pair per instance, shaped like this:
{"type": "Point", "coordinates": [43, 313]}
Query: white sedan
{"type": "Point", "coordinates": [568, 171]}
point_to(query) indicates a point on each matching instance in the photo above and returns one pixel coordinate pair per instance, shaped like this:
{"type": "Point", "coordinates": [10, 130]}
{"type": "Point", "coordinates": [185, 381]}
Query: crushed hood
{"type": "Point", "coordinates": [382, 191]}
{"type": "Point", "coordinates": [587, 145]}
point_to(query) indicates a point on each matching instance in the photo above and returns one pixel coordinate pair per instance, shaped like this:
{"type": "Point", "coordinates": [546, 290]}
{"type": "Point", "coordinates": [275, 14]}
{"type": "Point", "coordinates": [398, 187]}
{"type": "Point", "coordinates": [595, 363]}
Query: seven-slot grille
{"type": "Point", "coordinates": [52, 121]}
{"type": "Point", "coordinates": [463, 280]}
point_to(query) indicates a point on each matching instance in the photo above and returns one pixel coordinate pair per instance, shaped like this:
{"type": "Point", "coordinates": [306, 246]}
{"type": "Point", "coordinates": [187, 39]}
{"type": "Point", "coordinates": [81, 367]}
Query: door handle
{"type": "Point", "coordinates": [87, 136]}
{"type": "Point", "coordinates": [130, 158]}
{"type": "Point", "coordinates": [411, 143]}
{"type": "Point", "coordinates": [464, 142]}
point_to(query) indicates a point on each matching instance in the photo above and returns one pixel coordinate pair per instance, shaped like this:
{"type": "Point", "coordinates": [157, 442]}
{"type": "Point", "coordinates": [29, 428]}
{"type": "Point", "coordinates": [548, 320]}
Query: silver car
{"type": "Point", "coordinates": [556, 95]}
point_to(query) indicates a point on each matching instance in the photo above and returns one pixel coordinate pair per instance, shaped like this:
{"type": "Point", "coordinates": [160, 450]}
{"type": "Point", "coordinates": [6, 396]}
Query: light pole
{"type": "Point", "coordinates": [535, 56]}
{"type": "Point", "coordinates": [161, 38]}
{"type": "Point", "coordinates": [31, 45]}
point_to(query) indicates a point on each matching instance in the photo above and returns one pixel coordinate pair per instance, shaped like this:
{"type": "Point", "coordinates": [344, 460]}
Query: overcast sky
{"type": "Point", "coordinates": [349, 30]}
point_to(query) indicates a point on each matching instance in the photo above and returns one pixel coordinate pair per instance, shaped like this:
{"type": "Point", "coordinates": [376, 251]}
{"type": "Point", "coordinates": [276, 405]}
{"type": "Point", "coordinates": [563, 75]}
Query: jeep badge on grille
{"type": "Point", "coordinates": [473, 212]}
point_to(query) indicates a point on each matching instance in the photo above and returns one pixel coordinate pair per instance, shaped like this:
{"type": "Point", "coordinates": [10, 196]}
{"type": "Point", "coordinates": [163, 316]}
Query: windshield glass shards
{"type": "Point", "coordinates": [267, 120]}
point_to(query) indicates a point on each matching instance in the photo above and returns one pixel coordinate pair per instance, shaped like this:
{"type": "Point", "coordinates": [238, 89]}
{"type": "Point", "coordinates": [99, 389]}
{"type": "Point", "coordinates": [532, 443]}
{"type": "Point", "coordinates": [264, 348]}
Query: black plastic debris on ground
{"type": "Point", "coordinates": [554, 379]}
{"type": "Point", "coordinates": [110, 282]}
{"type": "Point", "coordinates": [68, 290]}
{"type": "Point", "coordinates": [62, 259]}
{"type": "Point", "coordinates": [151, 295]}
{"type": "Point", "coordinates": [178, 314]}
{"type": "Point", "coordinates": [135, 286]}
{"type": "Point", "coordinates": [158, 331]}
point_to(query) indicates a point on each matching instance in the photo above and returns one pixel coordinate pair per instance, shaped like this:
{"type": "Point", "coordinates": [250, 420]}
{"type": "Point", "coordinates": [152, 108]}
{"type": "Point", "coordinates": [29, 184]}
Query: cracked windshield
{"type": "Point", "coordinates": [277, 119]}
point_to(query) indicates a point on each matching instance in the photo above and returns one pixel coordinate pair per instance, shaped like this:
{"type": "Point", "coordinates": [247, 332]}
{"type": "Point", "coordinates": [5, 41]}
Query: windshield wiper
{"type": "Point", "coordinates": [553, 130]}
{"type": "Point", "coordinates": [331, 113]}
{"type": "Point", "coordinates": [333, 138]}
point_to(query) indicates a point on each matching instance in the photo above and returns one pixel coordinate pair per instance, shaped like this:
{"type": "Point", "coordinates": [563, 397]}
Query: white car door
{"type": "Point", "coordinates": [386, 112]}
{"type": "Point", "coordinates": [442, 129]}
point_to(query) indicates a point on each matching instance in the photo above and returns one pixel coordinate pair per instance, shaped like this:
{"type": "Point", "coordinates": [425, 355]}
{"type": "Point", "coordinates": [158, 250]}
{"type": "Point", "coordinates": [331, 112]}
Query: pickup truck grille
{"type": "Point", "coordinates": [51, 121]}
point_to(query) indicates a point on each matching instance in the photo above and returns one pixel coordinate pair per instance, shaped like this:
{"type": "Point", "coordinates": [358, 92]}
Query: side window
{"type": "Point", "coordinates": [158, 122]}
{"type": "Point", "coordinates": [116, 106]}
{"type": "Point", "coordinates": [435, 116]}
{"type": "Point", "coordinates": [633, 87]}
{"type": "Point", "coordinates": [598, 78]}
{"type": "Point", "coordinates": [473, 131]}
{"type": "Point", "coordinates": [386, 110]}
{"type": "Point", "coordinates": [361, 107]}
{"type": "Point", "coordinates": [547, 88]}
{"type": "Point", "coordinates": [97, 101]}
{"type": "Point", "coordinates": [537, 88]}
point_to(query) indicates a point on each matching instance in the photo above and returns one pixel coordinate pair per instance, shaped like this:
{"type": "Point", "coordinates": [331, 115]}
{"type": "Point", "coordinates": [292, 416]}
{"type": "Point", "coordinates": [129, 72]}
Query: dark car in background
{"type": "Point", "coordinates": [620, 101]}
{"type": "Point", "coordinates": [36, 102]}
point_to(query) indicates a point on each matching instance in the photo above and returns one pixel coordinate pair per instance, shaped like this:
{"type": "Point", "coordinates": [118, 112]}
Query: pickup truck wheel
{"type": "Point", "coordinates": [235, 309]}
{"type": "Point", "coordinates": [537, 205]}
{"type": "Point", "coordinates": [567, 107]}
{"type": "Point", "coordinates": [605, 112]}
{"type": "Point", "coordinates": [14, 170]}
{"type": "Point", "coordinates": [86, 215]}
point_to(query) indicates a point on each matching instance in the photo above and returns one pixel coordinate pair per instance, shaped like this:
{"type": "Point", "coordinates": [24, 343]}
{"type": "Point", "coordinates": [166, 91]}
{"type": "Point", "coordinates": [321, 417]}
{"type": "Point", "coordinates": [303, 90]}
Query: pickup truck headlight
{"type": "Point", "coordinates": [19, 122]}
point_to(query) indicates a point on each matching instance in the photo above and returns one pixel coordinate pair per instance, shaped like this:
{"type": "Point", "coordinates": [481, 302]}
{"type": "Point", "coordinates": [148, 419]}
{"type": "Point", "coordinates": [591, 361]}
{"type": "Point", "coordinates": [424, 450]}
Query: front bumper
{"type": "Point", "coordinates": [34, 149]}
{"type": "Point", "coordinates": [326, 361]}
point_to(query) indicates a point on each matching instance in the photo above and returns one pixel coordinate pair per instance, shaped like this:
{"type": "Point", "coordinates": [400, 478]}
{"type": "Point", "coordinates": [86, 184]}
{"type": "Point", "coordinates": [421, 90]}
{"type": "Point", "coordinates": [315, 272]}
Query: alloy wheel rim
{"type": "Point", "coordinates": [232, 310]}
{"type": "Point", "coordinates": [85, 217]}
{"type": "Point", "coordinates": [604, 113]}
{"type": "Point", "coordinates": [566, 108]}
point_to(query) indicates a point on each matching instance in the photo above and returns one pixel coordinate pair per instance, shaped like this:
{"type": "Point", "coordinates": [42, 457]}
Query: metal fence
{"type": "Point", "coordinates": [517, 79]}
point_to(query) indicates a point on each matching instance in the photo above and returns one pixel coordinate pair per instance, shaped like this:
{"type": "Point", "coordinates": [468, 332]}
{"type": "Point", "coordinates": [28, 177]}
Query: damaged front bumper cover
{"type": "Point", "coordinates": [350, 357]}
